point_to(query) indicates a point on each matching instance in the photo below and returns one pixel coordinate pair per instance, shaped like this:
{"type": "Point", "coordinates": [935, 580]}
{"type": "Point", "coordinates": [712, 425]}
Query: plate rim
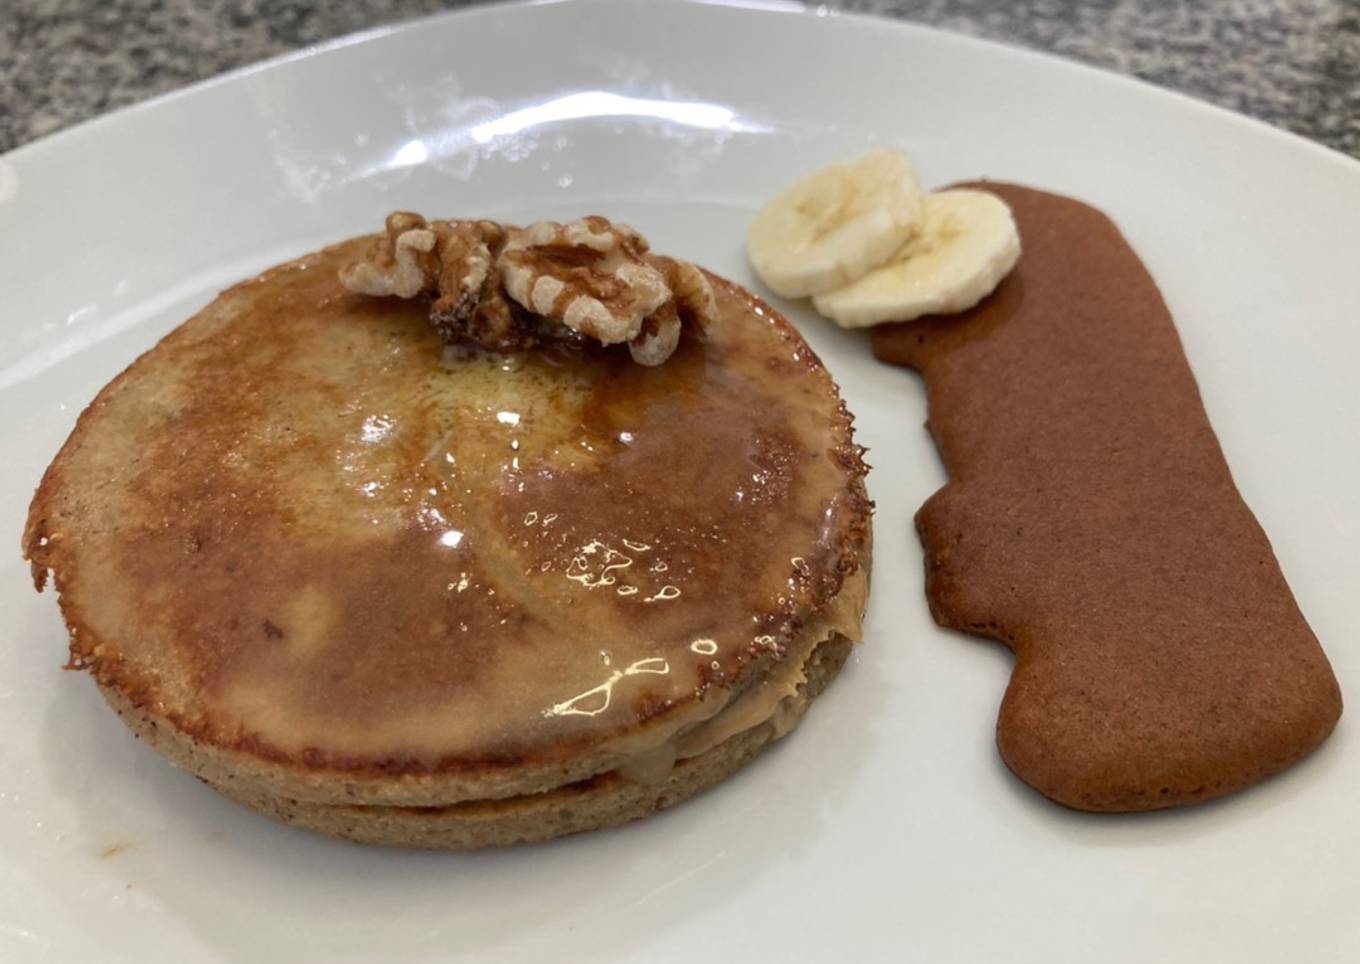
{"type": "Point", "coordinates": [32, 151]}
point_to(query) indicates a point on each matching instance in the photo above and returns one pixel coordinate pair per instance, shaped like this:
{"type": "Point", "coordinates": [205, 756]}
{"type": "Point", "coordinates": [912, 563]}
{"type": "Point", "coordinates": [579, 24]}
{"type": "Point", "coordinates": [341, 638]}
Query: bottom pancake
{"type": "Point", "coordinates": [602, 801]}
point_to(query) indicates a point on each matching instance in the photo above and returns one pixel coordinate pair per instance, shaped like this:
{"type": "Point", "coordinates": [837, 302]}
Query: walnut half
{"type": "Point", "coordinates": [506, 288]}
{"type": "Point", "coordinates": [451, 262]}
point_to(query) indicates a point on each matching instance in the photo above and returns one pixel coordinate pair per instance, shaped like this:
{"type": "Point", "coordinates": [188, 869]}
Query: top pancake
{"type": "Point", "coordinates": [297, 531]}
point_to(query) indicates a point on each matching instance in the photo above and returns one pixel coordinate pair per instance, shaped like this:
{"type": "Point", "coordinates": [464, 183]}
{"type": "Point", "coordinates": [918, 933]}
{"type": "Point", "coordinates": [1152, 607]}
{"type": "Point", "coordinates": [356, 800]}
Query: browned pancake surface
{"type": "Point", "coordinates": [296, 529]}
{"type": "Point", "coordinates": [1091, 524]}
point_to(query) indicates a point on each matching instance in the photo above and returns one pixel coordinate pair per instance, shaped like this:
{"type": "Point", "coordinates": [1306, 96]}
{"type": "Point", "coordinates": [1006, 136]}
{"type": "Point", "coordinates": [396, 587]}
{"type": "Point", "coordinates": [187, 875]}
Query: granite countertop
{"type": "Point", "coordinates": [1292, 63]}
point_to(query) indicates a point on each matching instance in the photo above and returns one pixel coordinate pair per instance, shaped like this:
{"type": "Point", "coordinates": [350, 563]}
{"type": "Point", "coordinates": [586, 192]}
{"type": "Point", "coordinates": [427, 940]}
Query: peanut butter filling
{"type": "Point", "coordinates": [768, 702]}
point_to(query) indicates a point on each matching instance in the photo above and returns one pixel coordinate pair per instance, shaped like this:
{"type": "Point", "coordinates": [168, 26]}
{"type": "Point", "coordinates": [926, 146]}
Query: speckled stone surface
{"type": "Point", "coordinates": [1293, 63]}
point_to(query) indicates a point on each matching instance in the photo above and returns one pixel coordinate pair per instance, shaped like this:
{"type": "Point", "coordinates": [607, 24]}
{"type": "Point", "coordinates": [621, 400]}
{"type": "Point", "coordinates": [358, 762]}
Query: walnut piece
{"type": "Point", "coordinates": [400, 263]}
{"type": "Point", "coordinates": [589, 274]}
{"type": "Point", "coordinates": [505, 288]}
{"type": "Point", "coordinates": [452, 262]}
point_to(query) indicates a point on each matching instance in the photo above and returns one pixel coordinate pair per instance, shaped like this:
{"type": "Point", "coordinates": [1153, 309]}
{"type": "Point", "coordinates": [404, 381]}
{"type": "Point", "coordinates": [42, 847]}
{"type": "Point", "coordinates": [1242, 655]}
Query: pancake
{"type": "Point", "coordinates": [420, 597]}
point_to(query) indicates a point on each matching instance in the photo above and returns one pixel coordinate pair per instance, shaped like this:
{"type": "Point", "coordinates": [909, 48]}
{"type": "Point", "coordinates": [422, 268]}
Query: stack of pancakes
{"type": "Point", "coordinates": [407, 596]}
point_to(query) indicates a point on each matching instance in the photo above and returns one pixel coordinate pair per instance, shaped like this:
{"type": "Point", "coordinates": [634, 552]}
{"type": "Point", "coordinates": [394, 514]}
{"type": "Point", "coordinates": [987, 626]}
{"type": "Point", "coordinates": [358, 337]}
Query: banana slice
{"type": "Point", "coordinates": [836, 224]}
{"type": "Point", "coordinates": [967, 244]}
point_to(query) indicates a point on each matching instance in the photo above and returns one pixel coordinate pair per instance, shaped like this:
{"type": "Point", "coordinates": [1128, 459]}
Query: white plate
{"type": "Point", "coordinates": [887, 827]}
